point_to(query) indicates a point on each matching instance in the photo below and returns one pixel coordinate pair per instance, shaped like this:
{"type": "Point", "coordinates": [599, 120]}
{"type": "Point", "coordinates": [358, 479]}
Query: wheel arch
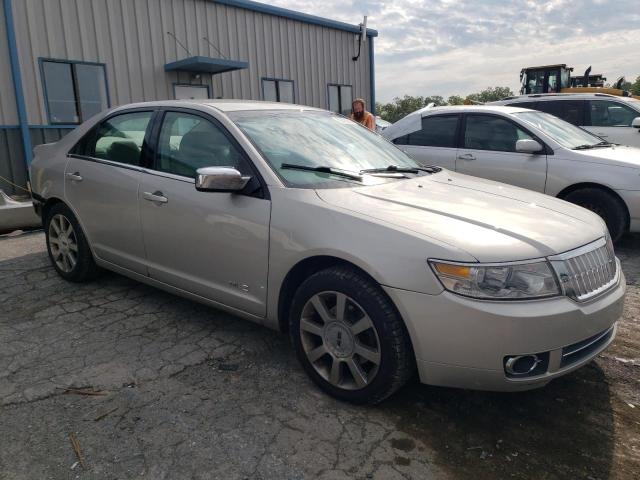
{"type": "Point", "coordinates": [303, 270]}
{"type": "Point", "coordinates": [583, 185]}
{"type": "Point", "coordinates": [48, 204]}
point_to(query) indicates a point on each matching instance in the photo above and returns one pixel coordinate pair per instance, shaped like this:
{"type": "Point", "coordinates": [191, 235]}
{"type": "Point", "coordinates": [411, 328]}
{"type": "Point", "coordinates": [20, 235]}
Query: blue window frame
{"type": "Point", "coordinates": [278, 90]}
{"type": "Point", "coordinates": [73, 90]}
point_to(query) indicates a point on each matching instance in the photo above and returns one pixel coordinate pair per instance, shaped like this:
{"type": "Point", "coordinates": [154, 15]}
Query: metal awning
{"type": "Point", "coordinates": [205, 65]}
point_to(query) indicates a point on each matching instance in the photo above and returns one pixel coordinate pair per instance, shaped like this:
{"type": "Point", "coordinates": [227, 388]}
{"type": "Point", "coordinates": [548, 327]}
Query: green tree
{"type": "Point", "coordinates": [635, 88]}
{"type": "Point", "coordinates": [400, 107]}
{"type": "Point", "coordinates": [455, 100]}
{"type": "Point", "coordinates": [491, 94]}
{"type": "Point", "coordinates": [403, 106]}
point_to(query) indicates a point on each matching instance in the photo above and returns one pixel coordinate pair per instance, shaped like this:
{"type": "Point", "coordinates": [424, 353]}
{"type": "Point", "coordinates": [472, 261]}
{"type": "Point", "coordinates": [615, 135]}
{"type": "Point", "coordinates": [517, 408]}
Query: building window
{"type": "Point", "coordinates": [277, 90]}
{"type": "Point", "coordinates": [73, 91]}
{"type": "Point", "coordinates": [340, 98]}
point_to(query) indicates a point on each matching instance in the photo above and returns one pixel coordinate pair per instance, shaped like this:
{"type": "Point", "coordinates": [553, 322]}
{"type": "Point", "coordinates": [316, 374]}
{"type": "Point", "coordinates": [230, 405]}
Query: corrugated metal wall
{"type": "Point", "coordinates": [130, 37]}
{"type": "Point", "coordinates": [12, 167]}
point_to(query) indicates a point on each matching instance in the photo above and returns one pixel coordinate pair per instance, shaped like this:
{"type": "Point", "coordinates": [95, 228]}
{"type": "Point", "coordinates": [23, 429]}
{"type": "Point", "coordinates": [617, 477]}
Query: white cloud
{"type": "Point", "coordinates": [445, 47]}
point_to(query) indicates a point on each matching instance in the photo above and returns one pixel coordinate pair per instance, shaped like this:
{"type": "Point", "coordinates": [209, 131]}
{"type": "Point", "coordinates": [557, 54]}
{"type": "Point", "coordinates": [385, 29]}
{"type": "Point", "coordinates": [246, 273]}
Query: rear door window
{"type": "Point", "coordinates": [436, 131]}
{"type": "Point", "coordinates": [571, 111]}
{"type": "Point", "coordinates": [121, 138]}
{"type": "Point", "coordinates": [605, 113]}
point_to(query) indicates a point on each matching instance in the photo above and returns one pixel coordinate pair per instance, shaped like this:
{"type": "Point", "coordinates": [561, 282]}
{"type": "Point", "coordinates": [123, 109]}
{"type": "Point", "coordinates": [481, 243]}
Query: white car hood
{"type": "Point", "coordinates": [491, 221]}
{"type": "Point", "coordinates": [619, 155]}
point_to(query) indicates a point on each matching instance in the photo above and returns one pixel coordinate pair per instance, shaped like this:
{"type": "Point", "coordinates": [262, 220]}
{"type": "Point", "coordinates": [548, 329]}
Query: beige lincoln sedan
{"type": "Point", "coordinates": [304, 221]}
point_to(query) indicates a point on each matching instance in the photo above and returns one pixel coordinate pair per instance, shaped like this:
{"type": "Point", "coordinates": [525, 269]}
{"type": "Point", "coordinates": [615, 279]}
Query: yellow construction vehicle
{"type": "Point", "coordinates": [558, 79]}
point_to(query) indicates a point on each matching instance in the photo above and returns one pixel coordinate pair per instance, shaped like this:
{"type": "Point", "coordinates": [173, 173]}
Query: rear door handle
{"type": "Point", "coordinates": [466, 156]}
{"type": "Point", "coordinates": [156, 197]}
{"type": "Point", "coordinates": [602, 134]}
{"type": "Point", "coordinates": [75, 176]}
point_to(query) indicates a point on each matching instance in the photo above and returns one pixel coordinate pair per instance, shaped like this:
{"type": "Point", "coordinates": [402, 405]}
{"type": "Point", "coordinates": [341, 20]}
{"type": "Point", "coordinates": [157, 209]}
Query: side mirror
{"type": "Point", "coordinates": [220, 179]}
{"type": "Point", "coordinates": [528, 145]}
{"type": "Point", "coordinates": [635, 123]}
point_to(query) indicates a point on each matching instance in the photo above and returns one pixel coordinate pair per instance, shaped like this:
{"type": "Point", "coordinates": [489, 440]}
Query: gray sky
{"type": "Point", "coordinates": [446, 47]}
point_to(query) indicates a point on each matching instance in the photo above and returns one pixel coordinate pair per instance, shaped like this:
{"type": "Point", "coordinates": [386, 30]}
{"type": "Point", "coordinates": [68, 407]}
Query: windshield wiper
{"type": "Point", "coordinates": [586, 146]}
{"type": "Point", "coordinates": [396, 169]}
{"type": "Point", "coordinates": [322, 169]}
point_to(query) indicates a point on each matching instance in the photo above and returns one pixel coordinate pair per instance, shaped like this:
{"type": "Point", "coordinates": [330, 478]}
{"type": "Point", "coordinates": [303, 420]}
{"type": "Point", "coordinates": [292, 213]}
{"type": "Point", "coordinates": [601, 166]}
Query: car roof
{"type": "Point", "coordinates": [220, 104]}
{"type": "Point", "coordinates": [563, 96]}
{"type": "Point", "coordinates": [413, 121]}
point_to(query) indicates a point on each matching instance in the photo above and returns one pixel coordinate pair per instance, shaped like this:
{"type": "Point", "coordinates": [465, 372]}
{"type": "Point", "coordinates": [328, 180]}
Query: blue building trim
{"type": "Point", "coordinates": [206, 65]}
{"type": "Point", "coordinates": [17, 82]}
{"type": "Point", "coordinates": [59, 126]}
{"type": "Point", "coordinates": [372, 77]}
{"type": "Point", "coordinates": [293, 15]}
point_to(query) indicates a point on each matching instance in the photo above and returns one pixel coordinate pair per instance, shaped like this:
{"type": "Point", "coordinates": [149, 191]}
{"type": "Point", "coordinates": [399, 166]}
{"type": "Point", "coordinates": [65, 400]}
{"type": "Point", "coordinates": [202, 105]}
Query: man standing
{"type": "Point", "coordinates": [359, 114]}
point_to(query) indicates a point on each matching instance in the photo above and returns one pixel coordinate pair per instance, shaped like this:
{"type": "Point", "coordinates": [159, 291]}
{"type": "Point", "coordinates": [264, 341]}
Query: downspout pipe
{"type": "Point", "coordinates": [372, 77]}
{"type": "Point", "coordinates": [17, 82]}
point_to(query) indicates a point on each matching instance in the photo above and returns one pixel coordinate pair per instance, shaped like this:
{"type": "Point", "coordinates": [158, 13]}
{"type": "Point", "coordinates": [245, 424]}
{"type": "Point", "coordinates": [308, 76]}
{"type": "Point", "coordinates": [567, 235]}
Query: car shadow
{"type": "Point", "coordinates": [564, 430]}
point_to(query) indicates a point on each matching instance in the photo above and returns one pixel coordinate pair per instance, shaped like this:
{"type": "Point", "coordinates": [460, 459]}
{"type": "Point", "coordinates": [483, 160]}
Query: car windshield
{"type": "Point", "coordinates": [567, 135]}
{"type": "Point", "coordinates": [316, 149]}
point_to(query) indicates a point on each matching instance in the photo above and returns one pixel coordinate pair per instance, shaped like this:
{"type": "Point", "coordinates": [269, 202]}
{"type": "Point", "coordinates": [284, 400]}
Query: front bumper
{"type": "Point", "coordinates": [461, 342]}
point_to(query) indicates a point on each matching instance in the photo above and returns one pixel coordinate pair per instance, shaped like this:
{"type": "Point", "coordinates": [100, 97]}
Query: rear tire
{"type": "Point", "coordinates": [349, 337]}
{"type": "Point", "coordinates": [610, 208]}
{"type": "Point", "coordinates": [67, 246]}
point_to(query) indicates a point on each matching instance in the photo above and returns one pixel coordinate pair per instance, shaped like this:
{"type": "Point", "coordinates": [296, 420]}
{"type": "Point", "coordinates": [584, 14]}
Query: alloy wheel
{"type": "Point", "coordinates": [340, 340]}
{"type": "Point", "coordinates": [63, 243]}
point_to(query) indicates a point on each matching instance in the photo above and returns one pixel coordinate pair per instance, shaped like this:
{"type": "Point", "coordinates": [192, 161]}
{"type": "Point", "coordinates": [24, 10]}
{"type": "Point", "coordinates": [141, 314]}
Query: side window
{"type": "Point", "coordinates": [487, 132]}
{"type": "Point", "coordinates": [120, 138]}
{"type": "Point", "coordinates": [571, 111]}
{"type": "Point", "coordinates": [189, 142]}
{"type": "Point", "coordinates": [605, 113]}
{"type": "Point", "coordinates": [340, 98]}
{"type": "Point", "coordinates": [85, 144]}
{"type": "Point", "coordinates": [437, 131]}
{"type": "Point", "coordinates": [276, 90]}
{"type": "Point", "coordinates": [404, 140]}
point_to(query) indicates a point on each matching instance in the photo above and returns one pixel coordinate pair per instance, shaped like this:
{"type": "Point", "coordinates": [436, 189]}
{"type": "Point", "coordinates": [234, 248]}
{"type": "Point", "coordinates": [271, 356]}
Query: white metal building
{"type": "Point", "coordinates": [62, 61]}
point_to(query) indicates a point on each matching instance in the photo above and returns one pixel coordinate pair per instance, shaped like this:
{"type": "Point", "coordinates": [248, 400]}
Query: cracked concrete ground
{"type": "Point", "coordinates": [182, 391]}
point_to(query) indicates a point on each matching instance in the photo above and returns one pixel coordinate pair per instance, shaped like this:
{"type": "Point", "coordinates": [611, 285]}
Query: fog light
{"type": "Point", "coordinates": [527, 365]}
{"type": "Point", "coordinates": [522, 364]}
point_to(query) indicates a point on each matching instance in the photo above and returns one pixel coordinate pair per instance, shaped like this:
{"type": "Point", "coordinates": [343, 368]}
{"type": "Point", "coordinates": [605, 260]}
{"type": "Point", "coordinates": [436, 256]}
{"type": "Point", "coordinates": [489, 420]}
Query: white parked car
{"type": "Point", "coordinates": [530, 149]}
{"type": "Point", "coordinates": [612, 118]}
{"type": "Point", "coordinates": [306, 222]}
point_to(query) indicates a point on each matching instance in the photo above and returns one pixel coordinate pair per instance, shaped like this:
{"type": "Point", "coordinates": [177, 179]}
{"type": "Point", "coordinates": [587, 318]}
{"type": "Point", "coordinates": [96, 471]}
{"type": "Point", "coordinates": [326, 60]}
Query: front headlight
{"type": "Point", "coordinates": [496, 281]}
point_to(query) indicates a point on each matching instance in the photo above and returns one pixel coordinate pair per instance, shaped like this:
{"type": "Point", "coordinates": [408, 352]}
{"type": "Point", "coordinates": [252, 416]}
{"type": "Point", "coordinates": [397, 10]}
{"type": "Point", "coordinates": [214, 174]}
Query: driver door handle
{"type": "Point", "coordinates": [156, 197]}
{"type": "Point", "coordinates": [75, 176]}
{"type": "Point", "coordinates": [466, 156]}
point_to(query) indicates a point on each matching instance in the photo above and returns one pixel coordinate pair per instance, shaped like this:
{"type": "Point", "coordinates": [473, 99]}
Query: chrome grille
{"type": "Point", "coordinates": [587, 271]}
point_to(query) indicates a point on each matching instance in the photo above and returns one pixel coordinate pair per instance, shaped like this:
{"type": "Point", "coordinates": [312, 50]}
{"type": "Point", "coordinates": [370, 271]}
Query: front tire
{"type": "Point", "coordinates": [349, 337]}
{"type": "Point", "coordinates": [610, 208]}
{"type": "Point", "coordinates": [68, 249]}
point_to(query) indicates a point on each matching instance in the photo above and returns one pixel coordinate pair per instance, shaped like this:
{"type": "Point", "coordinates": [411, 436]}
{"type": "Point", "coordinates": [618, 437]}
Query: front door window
{"type": "Point", "coordinates": [189, 142]}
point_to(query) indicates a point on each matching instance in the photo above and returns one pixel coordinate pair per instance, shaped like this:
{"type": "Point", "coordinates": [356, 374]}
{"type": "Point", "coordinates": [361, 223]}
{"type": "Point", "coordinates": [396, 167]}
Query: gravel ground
{"type": "Point", "coordinates": [156, 387]}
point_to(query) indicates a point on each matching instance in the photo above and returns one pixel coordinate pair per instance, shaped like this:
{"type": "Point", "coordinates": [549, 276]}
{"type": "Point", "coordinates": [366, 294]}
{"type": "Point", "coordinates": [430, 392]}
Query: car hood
{"type": "Point", "coordinates": [491, 221]}
{"type": "Point", "coordinates": [619, 155]}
